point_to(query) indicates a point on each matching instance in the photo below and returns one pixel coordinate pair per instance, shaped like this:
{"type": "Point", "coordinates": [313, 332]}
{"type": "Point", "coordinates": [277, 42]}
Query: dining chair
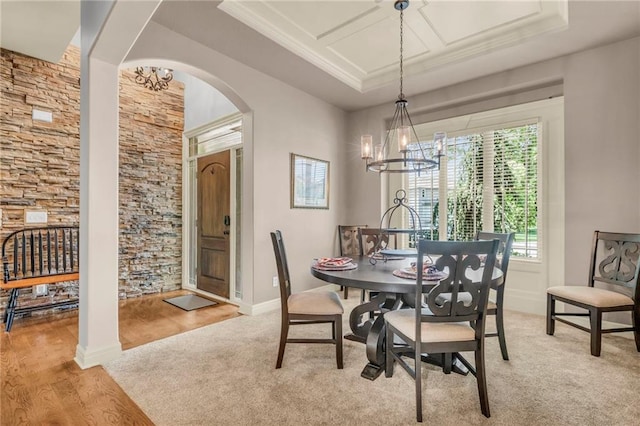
{"type": "Point", "coordinates": [305, 308]}
{"type": "Point", "coordinates": [450, 326]}
{"type": "Point", "coordinates": [495, 307]}
{"type": "Point", "coordinates": [615, 267]}
{"type": "Point", "coordinates": [369, 238]}
{"type": "Point", "coordinates": [349, 245]}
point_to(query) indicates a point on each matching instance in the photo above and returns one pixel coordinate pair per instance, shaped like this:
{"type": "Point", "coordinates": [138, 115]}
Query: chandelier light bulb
{"type": "Point", "coordinates": [366, 143]}
{"type": "Point", "coordinates": [404, 138]}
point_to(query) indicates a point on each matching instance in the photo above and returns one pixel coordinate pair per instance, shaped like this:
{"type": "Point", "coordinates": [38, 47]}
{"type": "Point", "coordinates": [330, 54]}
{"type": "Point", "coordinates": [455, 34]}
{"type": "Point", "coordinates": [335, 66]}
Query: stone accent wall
{"type": "Point", "coordinates": [151, 125]}
{"type": "Point", "coordinates": [40, 162]}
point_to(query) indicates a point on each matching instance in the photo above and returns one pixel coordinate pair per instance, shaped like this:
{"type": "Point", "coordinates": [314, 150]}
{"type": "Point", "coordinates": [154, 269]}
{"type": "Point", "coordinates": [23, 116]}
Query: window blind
{"type": "Point", "coordinates": [490, 182]}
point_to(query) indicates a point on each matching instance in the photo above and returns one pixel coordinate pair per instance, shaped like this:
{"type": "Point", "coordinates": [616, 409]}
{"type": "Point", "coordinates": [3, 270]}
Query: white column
{"type": "Point", "coordinates": [98, 339]}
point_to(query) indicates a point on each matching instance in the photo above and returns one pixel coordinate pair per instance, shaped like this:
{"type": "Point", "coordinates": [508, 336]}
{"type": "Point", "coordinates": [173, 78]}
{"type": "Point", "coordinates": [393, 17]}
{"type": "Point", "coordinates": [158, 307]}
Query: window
{"type": "Point", "coordinates": [489, 180]}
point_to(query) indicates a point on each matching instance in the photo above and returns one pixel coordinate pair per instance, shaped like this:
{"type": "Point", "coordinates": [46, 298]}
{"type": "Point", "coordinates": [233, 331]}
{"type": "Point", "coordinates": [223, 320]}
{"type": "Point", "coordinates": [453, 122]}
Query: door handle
{"type": "Point", "coordinates": [225, 232]}
{"type": "Point", "coordinates": [227, 220]}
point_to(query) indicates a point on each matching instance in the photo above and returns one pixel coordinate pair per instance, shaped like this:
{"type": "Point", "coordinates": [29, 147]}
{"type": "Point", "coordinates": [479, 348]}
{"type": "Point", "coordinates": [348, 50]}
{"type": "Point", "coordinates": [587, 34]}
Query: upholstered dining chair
{"type": "Point", "coordinates": [349, 245]}
{"type": "Point", "coordinates": [495, 307]}
{"type": "Point", "coordinates": [305, 308]}
{"type": "Point", "coordinates": [615, 266]}
{"type": "Point", "coordinates": [450, 326]}
{"type": "Point", "coordinates": [369, 238]}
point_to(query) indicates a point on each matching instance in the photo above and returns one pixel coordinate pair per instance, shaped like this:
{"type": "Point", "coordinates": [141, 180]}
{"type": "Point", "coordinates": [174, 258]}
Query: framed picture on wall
{"type": "Point", "coordinates": [309, 183]}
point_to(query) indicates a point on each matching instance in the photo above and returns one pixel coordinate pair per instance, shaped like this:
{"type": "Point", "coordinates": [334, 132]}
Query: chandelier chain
{"type": "Point", "coordinates": [401, 95]}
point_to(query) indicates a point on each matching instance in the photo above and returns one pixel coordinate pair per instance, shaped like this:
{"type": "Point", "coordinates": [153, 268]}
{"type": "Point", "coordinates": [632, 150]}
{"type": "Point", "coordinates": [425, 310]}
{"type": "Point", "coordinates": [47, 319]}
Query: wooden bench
{"type": "Point", "coordinates": [38, 256]}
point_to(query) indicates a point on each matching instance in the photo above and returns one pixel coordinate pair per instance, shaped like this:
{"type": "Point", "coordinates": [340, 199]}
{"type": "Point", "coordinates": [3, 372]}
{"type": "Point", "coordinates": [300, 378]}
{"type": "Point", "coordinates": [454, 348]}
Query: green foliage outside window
{"type": "Point", "coordinates": [514, 191]}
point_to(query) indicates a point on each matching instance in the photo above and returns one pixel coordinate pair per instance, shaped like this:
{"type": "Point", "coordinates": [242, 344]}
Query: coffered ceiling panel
{"type": "Point", "coordinates": [377, 47]}
{"type": "Point", "coordinates": [454, 21]}
{"type": "Point", "coordinates": [319, 18]}
{"type": "Point", "coordinates": [358, 41]}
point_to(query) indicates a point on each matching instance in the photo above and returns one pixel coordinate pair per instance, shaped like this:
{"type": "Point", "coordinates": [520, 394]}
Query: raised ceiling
{"type": "Point", "coordinates": [358, 42]}
{"type": "Point", "coordinates": [346, 51]}
{"type": "Point", "coordinates": [331, 50]}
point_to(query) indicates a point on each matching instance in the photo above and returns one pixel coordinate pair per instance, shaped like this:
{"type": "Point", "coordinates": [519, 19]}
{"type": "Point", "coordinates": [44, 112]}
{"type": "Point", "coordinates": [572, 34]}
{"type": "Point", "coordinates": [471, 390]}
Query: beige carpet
{"type": "Point", "coordinates": [224, 374]}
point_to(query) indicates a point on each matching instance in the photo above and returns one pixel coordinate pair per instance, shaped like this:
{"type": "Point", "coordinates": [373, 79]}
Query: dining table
{"type": "Point", "coordinates": [388, 291]}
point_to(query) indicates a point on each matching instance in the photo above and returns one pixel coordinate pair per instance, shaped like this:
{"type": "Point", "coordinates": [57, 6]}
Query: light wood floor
{"type": "Point", "coordinates": [41, 384]}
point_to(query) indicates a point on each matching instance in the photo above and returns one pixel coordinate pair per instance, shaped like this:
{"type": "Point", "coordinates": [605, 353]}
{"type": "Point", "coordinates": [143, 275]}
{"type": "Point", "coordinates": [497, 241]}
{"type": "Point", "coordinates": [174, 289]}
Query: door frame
{"type": "Point", "coordinates": [189, 254]}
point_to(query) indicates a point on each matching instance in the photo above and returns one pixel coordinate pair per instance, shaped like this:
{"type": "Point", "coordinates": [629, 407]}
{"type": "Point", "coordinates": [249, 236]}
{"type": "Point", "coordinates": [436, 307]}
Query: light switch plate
{"type": "Point", "coordinates": [38, 115]}
{"type": "Point", "coordinates": [35, 216]}
{"type": "Point", "coordinates": [41, 290]}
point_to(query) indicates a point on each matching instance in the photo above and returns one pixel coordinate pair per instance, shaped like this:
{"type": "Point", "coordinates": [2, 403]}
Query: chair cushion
{"type": "Point", "coordinates": [315, 303]}
{"type": "Point", "coordinates": [404, 321]}
{"type": "Point", "coordinates": [593, 296]}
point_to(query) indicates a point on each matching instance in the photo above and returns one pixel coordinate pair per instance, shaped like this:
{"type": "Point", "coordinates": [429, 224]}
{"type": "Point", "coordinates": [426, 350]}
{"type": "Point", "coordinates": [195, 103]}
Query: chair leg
{"type": "Point", "coordinates": [388, 368]}
{"type": "Point", "coordinates": [481, 378]}
{"type": "Point", "coordinates": [284, 331]}
{"type": "Point", "coordinates": [346, 293]}
{"type": "Point", "coordinates": [447, 362]}
{"type": "Point", "coordinates": [338, 338]}
{"type": "Point", "coordinates": [10, 312]}
{"type": "Point", "coordinates": [418, 380]}
{"type": "Point", "coordinates": [551, 311]}
{"type": "Point", "coordinates": [500, 328]}
{"type": "Point", "coordinates": [595, 315]}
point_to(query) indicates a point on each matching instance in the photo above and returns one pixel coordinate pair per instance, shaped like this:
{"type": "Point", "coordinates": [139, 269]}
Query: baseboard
{"type": "Point", "coordinates": [90, 358]}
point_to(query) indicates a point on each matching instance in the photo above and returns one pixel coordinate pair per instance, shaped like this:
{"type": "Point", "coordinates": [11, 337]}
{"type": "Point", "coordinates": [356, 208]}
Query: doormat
{"type": "Point", "coordinates": [190, 302]}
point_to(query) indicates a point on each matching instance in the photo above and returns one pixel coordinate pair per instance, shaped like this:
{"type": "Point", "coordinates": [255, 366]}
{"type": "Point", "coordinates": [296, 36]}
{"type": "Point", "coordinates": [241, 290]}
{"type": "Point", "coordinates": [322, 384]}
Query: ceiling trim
{"type": "Point", "coordinates": [246, 14]}
{"type": "Point", "coordinates": [435, 43]}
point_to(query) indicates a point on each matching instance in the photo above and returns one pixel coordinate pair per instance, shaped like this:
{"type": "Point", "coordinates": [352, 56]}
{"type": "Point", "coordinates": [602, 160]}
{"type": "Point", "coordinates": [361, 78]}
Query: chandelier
{"type": "Point", "coordinates": [412, 154]}
{"type": "Point", "coordinates": [154, 78]}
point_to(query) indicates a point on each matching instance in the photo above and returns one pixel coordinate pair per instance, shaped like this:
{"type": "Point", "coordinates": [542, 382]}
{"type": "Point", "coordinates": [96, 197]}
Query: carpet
{"type": "Point", "coordinates": [190, 302]}
{"type": "Point", "coordinates": [225, 374]}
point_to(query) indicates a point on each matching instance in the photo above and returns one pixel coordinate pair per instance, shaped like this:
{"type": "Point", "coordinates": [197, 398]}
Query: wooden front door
{"type": "Point", "coordinates": [214, 220]}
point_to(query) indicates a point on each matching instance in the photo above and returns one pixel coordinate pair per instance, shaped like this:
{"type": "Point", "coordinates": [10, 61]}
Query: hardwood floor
{"type": "Point", "coordinates": [41, 384]}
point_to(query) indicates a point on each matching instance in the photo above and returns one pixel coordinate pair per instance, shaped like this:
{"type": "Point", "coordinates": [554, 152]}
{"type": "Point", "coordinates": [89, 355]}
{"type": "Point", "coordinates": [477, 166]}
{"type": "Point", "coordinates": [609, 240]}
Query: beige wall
{"type": "Point", "coordinates": [602, 149]}
{"type": "Point", "coordinates": [284, 120]}
{"type": "Point", "coordinates": [602, 139]}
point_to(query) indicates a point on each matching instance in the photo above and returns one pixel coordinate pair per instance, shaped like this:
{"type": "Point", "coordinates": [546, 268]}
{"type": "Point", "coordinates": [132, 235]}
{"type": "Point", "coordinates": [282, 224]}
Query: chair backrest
{"type": "Point", "coordinates": [283, 269]}
{"type": "Point", "coordinates": [504, 250]}
{"type": "Point", "coordinates": [461, 261]}
{"type": "Point", "coordinates": [350, 240]}
{"type": "Point", "coordinates": [615, 260]}
{"type": "Point", "coordinates": [370, 240]}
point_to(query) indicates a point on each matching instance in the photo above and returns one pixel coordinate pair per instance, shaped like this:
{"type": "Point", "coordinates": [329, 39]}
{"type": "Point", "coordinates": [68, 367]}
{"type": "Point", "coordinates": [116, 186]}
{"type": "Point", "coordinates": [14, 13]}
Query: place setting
{"type": "Point", "coordinates": [430, 272]}
{"type": "Point", "coordinates": [334, 264]}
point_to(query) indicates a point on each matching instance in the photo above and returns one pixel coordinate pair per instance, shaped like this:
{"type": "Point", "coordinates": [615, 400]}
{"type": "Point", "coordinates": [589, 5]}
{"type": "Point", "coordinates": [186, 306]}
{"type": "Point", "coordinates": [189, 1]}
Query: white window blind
{"type": "Point", "coordinates": [491, 183]}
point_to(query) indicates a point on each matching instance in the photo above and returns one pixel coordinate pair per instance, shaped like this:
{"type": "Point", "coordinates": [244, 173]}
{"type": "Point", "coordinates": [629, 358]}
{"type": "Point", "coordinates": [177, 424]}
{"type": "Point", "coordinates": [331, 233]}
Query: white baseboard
{"type": "Point", "coordinates": [87, 357]}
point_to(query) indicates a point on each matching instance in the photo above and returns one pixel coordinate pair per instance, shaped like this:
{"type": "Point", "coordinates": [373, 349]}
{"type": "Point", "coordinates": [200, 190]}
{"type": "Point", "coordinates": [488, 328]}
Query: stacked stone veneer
{"type": "Point", "coordinates": [40, 162]}
{"type": "Point", "coordinates": [151, 125]}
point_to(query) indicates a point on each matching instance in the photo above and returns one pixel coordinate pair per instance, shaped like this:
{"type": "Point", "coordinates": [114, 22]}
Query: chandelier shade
{"type": "Point", "coordinates": [412, 155]}
{"type": "Point", "coordinates": [154, 78]}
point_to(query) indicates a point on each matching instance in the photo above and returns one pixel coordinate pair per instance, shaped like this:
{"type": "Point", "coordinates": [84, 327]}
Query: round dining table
{"type": "Point", "coordinates": [387, 292]}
